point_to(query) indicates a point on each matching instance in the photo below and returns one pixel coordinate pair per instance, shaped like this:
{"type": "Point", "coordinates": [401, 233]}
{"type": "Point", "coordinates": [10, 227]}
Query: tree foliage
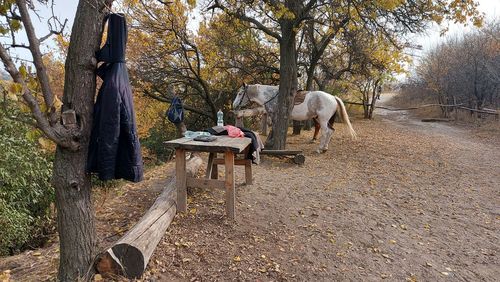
{"type": "Point", "coordinates": [463, 70]}
{"type": "Point", "coordinates": [203, 68]}
{"type": "Point", "coordinates": [25, 190]}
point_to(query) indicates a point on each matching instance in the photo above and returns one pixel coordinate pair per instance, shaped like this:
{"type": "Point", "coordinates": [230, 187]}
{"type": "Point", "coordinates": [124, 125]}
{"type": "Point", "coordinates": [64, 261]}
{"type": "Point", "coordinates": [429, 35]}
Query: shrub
{"type": "Point", "coordinates": [158, 134]}
{"type": "Point", "coordinates": [25, 190]}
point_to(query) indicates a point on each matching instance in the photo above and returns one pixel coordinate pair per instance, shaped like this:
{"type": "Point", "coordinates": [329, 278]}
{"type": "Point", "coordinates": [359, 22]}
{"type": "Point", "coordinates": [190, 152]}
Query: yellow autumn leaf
{"type": "Point", "coordinates": [15, 88]}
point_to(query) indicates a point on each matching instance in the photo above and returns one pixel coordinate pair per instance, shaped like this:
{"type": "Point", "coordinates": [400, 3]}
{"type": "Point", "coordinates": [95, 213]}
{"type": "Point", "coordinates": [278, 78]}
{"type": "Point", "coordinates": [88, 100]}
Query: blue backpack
{"type": "Point", "coordinates": [175, 112]}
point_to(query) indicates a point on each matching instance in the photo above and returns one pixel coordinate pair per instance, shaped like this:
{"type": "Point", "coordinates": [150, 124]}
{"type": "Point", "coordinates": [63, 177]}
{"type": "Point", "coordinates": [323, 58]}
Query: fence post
{"type": "Point", "coordinates": [455, 107]}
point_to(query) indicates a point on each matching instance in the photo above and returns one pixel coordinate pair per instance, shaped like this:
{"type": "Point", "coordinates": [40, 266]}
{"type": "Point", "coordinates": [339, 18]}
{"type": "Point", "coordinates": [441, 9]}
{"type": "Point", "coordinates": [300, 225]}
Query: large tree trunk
{"type": "Point", "coordinates": [75, 212]}
{"type": "Point", "coordinates": [287, 89]}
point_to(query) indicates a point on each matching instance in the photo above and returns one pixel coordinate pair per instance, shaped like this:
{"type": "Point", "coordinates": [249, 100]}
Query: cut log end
{"type": "Point", "coordinates": [105, 264]}
{"type": "Point", "coordinates": [131, 259]}
{"type": "Point", "coordinates": [122, 259]}
{"type": "Point", "coordinates": [299, 159]}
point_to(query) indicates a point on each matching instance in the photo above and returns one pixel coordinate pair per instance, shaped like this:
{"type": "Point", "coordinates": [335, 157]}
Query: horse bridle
{"type": "Point", "coordinates": [245, 88]}
{"type": "Point", "coordinates": [272, 98]}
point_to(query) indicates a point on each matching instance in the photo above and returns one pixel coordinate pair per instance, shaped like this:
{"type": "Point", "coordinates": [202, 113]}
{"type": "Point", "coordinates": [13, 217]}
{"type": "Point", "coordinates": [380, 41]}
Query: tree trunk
{"type": "Point", "coordinates": [75, 212]}
{"type": "Point", "coordinates": [297, 126]}
{"type": "Point", "coordinates": [374, 99]}
{"type": "Point", "coordinates": [287, 89]}
{"type": "Point", "coordinates": [181, 129]}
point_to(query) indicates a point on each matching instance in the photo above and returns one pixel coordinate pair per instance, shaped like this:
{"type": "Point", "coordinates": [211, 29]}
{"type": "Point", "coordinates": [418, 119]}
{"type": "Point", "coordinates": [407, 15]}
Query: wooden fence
{"type": "Point", "coordinates": [455, 107]}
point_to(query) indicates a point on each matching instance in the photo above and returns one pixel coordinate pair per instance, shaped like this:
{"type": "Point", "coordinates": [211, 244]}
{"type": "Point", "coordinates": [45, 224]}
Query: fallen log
{"type": "Point", "coordinates": [280, 152]}
{"type": "Point", "coordinates": [436, 120]}
{"type": "Point", "coordinates": [298, 157]}
{"type": "Point", "coordinates": [130, 255]}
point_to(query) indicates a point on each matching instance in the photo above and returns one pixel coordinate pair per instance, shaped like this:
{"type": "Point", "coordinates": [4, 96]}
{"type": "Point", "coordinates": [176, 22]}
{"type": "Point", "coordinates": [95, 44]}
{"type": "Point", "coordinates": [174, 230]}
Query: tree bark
{"type": "Point", "coordinates": [288, 86]}
{"type": "Point", "coordinates": [297, 126]}
{"type": "Point", "coordinates": [373, 98]}
{"type": "Point", "coordinates": [75, 212]}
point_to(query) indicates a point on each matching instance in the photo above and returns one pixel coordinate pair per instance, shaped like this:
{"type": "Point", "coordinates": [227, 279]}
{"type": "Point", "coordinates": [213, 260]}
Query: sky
{"type": "Point", "coordinates": [431, 38]}
{"type": "Point", "coordinates": [66, 9]}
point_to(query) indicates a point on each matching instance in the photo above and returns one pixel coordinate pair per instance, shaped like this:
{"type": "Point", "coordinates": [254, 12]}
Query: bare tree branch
{"type": "Point", "coordinates": [57, 132]}
{"type": "Point", "coordinates": [169, 100]}
{"type": "Point", "coordinates": [259, 25]}
{"type": "Point", "coordinates": [41, 71]}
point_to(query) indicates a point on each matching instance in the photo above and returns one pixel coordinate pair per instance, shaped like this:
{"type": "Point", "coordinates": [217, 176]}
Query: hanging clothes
{"type": "Point", "coordinates": [114, 149]}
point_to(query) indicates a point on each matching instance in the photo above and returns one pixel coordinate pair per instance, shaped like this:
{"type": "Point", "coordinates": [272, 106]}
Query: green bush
{"type": "Point", "coordinates": [16, 225]}
{"type": "Point", "coordinates": [25, 190]}
{"type": "Point", "coordinates": [158, 134]}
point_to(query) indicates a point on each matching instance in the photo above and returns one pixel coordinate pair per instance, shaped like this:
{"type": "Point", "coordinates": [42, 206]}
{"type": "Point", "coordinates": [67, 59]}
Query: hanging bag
{"type": "Point", "coordinates": [175, 112]}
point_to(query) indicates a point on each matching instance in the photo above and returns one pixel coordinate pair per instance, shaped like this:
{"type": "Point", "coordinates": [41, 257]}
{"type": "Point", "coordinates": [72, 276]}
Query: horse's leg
{"type": "Point", "coordinates": [323, 146]}
{"type": "Point", "coordinates": [317, 126]}
{"type": "Point", "coordinates": [329, 131]}
{"type": "Point", "coordinates": [328, 137]}
{"type": "Point", "coordinates": [325, 120]}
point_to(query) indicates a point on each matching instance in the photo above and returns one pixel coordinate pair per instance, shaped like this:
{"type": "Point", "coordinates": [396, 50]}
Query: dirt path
{"type": "Point", "coordinates": [408, 201]}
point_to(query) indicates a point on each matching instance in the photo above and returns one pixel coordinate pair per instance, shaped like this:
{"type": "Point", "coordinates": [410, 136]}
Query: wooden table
{"type": "Point", "coordinates": [224, 144]}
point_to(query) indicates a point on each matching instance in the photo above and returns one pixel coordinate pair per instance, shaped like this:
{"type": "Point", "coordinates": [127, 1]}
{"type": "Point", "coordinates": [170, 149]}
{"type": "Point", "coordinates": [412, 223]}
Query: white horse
{"type": "Point", "coordinates": [318, 105]}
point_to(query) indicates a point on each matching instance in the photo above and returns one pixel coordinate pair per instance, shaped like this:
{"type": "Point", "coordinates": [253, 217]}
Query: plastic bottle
{"type": "Point", "coordinates": [220, 118]}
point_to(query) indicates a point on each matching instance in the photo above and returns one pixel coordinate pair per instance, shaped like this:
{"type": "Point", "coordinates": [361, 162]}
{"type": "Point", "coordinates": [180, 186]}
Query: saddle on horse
{"type": "Point", "coordinates": [300, 96]}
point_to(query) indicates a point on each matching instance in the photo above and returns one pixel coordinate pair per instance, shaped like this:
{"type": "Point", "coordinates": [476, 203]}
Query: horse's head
{"type": "Point", "coordinates": [242, 98]}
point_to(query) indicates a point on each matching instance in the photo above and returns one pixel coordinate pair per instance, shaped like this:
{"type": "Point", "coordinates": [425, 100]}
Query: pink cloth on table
{"type": "Point", "coordinates": [233, 131]}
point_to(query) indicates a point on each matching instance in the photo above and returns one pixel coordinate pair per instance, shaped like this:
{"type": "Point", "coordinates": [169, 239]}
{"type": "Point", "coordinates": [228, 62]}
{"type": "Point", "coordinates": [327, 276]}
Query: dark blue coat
{"type": "Point", "coordinates": [114, 149]}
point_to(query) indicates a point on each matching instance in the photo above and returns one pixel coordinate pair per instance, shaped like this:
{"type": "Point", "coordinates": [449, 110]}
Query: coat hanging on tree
{"type": "Point", "coordinates": [114, 149]}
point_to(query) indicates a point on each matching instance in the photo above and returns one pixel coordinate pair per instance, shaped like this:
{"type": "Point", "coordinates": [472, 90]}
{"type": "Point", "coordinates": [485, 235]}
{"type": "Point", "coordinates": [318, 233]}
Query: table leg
{"type": "Point", "coordinates": [180, 179]}
{"type": "Point", "coordinates": [215, 169]}
{"type": "Point", "coordinates": [248, 172]}
{"type": "Point", "coordinates": [210, 164]}
{"type": "Point", "coordinates": [229, 183]}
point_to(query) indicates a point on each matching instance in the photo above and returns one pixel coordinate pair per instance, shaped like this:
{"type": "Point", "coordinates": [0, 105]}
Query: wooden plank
{"type": "Point", "coordinates": [210, 164]}
{"type": "Point", "coordinates": [236, 161]}
{"type": "Point", "coordinates": [221, 144]}
{"type": "Point", "coordinates": [229, 184]}
{"type": "Point", "coordinates": [248, 172]}
{"type": "Point", "coordinates": [436, 120]}
{"type": "Point", "coordinates": [180, 183]}
{"type": "Point", "coordinates": [204, 183]}
{"type": "Point", "coordinates": [280, 152]}
{"type": "Point", "coordinates": [215, 172]}
{"type": "Point", "coordinates": [221, 141]}
{"type": "Point", "coordinates": [245, 162]}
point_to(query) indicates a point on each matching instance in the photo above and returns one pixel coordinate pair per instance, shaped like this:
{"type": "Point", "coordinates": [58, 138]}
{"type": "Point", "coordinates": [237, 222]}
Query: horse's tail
{"type": "Point", "coordinates": [345, 118]}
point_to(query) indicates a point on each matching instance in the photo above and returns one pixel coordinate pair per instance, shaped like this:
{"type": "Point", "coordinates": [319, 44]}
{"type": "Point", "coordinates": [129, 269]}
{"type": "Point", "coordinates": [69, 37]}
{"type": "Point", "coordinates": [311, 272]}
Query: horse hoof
{"type": "Point", "coordinates": [312, 141]}
{"type": "Point", "coordinates": [320, 151]}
